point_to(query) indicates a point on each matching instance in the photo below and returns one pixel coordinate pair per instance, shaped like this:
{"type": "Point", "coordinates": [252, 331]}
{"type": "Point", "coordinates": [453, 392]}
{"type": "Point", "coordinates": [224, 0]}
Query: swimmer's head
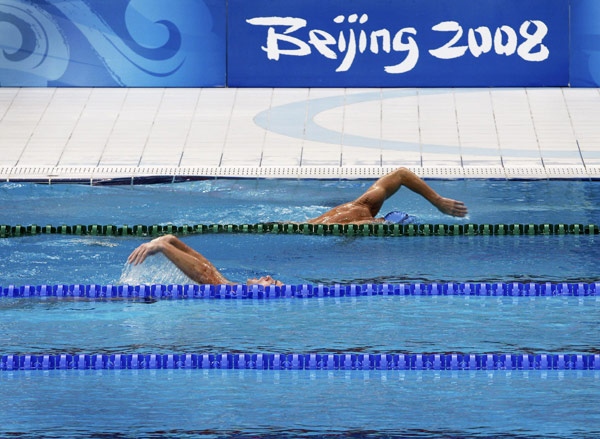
{"type": "Point", "coordinates": [397, 217]}
{"type": "Point", "coordinates": [265, 281]}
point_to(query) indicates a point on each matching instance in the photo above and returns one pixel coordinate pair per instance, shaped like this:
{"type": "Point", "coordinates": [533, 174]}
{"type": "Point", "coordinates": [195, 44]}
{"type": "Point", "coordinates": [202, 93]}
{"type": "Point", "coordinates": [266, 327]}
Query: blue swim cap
{"type": "Point", "coordinates": [397, 217]}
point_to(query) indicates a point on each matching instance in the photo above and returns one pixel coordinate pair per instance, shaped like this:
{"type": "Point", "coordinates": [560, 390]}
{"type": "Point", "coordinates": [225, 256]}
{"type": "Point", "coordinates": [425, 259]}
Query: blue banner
{"type": "Point", "coordinates": [399, 43]}
{"type": "Point", "coordinates": [132, 43]}
{"type": "Point", "coordinates": [585, 43]}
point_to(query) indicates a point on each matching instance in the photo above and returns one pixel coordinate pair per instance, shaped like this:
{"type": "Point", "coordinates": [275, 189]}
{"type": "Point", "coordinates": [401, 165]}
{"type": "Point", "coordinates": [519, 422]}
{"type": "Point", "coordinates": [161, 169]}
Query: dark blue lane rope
{"type": "Point", "coordinates": [156, 292]}
{"type": "Point", "coordinates": [270, 361]}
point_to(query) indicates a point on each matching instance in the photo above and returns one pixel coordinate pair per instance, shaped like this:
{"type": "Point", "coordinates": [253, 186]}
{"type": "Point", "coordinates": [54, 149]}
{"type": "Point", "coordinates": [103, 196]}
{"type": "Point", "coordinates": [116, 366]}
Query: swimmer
{"type": "Point", "coordinates": [363, 210]}
{"type": "Point", "coordinates": [190, 262]}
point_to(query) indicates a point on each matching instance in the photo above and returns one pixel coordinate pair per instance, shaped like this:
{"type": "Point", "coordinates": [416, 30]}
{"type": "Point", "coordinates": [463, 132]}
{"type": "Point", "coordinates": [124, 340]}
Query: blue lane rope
{"type": "Point", "coordinates": [270, 361]}
{"type": "Point", "coordinates": [382, 230]}
{"type": "Point", "coordinates": [165, 292]}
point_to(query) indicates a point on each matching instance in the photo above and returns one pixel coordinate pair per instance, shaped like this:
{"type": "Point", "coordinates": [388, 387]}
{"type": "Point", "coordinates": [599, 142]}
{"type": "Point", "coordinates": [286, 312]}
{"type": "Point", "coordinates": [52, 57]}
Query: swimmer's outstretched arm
{"type": "Point", "coordinates": [190, 262]}
{"type": "Point", "coordinates": [389, 184]}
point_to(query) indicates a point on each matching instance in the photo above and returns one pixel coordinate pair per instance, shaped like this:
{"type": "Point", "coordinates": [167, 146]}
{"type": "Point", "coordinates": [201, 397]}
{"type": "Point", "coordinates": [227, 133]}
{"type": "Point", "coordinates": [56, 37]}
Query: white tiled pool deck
{"type": "Point", "coordinates": [95, 133]}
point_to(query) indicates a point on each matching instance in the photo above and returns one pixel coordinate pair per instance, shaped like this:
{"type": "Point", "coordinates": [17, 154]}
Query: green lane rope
{"type": "Point", "coordinates": [382, 230]}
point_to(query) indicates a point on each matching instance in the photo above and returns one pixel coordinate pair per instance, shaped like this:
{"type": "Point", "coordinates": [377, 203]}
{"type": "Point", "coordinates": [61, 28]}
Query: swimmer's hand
{"type": "Point", "coordinates": [451, 207]}
{"type": "Point", "coordinates": [140, 254]}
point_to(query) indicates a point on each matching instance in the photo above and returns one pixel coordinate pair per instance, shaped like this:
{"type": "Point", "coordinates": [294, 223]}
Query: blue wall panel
{"type": "Point", "coordinates": [398, 43]}
{"type": "Point", "coordinates": [134, 43]}
{"type": "Point", "coordinates": [585, 43]}
{"type": "Point", "coordinates": [333, 43]}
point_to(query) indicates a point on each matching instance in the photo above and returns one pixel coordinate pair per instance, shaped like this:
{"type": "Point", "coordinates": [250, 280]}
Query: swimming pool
{"type": "Point", "coordinates": [298, 259]}
{"type": "Point", "coordinates": [535, 395]}
{"type": "Point", "coordinates": [248, 201]}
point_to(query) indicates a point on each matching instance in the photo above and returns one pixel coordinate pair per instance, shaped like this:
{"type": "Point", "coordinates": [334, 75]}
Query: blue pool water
{"type": "Point", "coordinates": [296, 259]}
{"type": "Point", "coordinates": [252, 201]}
{"type": "Point", "coordinates": [300, 403]}
{"type": "Point", "coordinates": [250, 404]}
{"type": "Point", "coordinates": [375, 325]}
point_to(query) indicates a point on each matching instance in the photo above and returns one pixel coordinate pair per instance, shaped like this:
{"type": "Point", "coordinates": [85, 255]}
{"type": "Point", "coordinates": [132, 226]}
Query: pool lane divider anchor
{"type": "Point", "coordinates": [381, 230]}
{"type": "Point", "coordinates": [152, 293]}
{"type": "Point", "coordinates": [302, 361]}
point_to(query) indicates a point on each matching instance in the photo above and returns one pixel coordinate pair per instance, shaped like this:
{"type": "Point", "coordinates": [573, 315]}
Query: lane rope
{"type": "Point", "coordinates": [382, 230]}
{"type": "Point", "coordinates": [302, 291]}
{"type": "Point", "coordinates": [300, 361]}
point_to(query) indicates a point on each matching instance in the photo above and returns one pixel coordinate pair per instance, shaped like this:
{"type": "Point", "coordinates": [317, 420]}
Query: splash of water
{"type": "Point", "coordinates": [155, 270]}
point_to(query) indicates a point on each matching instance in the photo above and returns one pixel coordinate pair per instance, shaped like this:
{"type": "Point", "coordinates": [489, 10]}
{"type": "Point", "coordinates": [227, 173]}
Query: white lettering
{"type": "Point", "coordinates": [320, 40]}
{"type": "Point", "coordinates": [447, 51]}
{"type": "Point", "coordinates": [348, 43]}
{"type": "Point", "coordinates": [362, 42]}
{"type": "Point", "coordinates": [533, 40]}
{"type": "Point", "coordinates": [354, 39]}
{"type": "Point", "coordinates": [350, 53]}
{"type": "Point", "coordinates": [486, 41]}
{"type": "Point", "coordinates": [511, 41]}
{"type": "Point", "coordinates": [525, 50]}
{"type": "Point", "coordinates": [384, 34]}
{"type": "Point", "coordinates": [411, 47]}
{"type": "Point", "coordinates": [273, 38]}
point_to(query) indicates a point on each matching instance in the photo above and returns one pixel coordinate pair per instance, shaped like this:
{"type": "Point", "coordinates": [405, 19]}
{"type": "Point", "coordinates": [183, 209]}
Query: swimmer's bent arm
{"type": "Point", "coordinates": [190, 262]}
{"type": "Point", "coordinates": [389, 184]}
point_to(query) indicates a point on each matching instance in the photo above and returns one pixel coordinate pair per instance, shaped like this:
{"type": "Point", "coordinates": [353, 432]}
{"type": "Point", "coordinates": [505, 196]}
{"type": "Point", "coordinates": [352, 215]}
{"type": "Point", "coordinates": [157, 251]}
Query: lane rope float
{"type": "Point", "coordinates": [302, 291]}
{"type": "Point", "coordinates": [382, 230]}
{"type": "Point", "coordinates": [300, 361]}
